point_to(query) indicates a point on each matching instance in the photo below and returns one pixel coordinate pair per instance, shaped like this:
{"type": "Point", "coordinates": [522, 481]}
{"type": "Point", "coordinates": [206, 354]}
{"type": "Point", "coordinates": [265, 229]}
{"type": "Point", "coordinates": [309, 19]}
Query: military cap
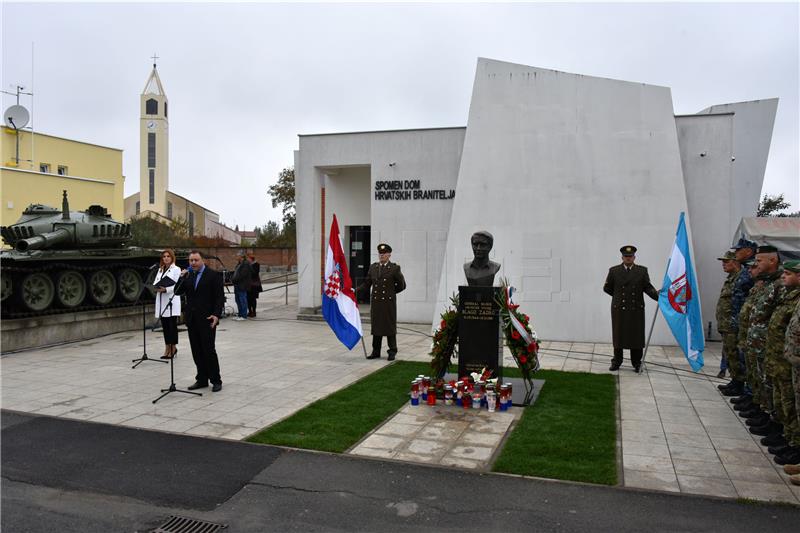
{"type": "Point", "coordinates": [727, 256]}
{"type": "Point", "coordinates": [744, 243]}
{"type": "Point", "coordinates": [749, 263]}
{"type": "Point", "coordinates": [384, 248]}
{"type": "Point", "coordinates": [792, 266]}
{"type": "Point", "coordinates": [628, 249]}
{"type": "Point", "coordinates": [766, 249]}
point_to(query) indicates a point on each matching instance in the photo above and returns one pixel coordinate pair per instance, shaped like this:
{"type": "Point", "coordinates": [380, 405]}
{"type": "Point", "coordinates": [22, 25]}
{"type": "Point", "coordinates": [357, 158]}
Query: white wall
{"type": "Point", "coordinates": [706, 145]}
{"type": "Point", "coordinates": [752, 136]}
{"type": "Point", "coordinates": [416, 229]}
{"type": "Point", "coordinates": [564, 170]}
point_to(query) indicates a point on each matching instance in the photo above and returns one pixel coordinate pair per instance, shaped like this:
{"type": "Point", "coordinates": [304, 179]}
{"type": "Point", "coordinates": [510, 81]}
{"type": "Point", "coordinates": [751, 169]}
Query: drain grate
{"type": "Point", "coordinates": [181, 524]}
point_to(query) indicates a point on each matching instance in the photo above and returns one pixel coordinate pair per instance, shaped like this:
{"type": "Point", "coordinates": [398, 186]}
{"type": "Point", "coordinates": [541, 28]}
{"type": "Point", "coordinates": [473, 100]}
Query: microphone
{"type": "Point", "coordinates": [182, 279]}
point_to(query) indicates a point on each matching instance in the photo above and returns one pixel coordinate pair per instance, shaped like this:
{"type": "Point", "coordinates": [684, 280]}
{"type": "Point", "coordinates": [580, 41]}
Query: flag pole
{"type": "Point", "coordinates": [649, 335]}
{"type": "Point", "coordinates": [364, 346]}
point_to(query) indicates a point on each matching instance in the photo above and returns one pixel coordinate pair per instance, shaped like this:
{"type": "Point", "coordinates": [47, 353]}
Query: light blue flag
{"type": "Point", "coordinates": [679, 300]}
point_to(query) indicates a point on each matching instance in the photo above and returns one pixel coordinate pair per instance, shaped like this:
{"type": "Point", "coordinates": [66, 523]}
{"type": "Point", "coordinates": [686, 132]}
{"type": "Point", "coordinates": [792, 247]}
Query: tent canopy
{"type": "Point", "coordinates": [781, 232]}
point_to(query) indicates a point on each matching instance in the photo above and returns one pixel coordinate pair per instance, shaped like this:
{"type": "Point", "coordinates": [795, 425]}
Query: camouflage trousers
{"type": "Point", "coordinates": [796, 384]}
{"type": "Point", "coordinates": [754, 378]}
{"type": "Point", "coordinates": [731, 353]}
{"type": "Point", "coordinates": [780, 375]}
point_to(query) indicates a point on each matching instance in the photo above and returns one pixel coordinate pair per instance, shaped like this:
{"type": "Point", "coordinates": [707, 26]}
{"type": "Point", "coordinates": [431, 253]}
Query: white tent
{"type": "Point", "coordinates": [781, 232]}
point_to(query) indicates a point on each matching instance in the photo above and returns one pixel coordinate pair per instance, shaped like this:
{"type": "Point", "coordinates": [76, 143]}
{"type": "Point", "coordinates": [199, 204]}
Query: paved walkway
{"type": "Point", "coordinates": [678, 433]}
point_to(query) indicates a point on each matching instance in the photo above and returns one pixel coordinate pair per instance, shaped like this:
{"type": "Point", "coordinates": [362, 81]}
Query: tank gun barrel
{"type": "Point", "coordinates": [44, 240]}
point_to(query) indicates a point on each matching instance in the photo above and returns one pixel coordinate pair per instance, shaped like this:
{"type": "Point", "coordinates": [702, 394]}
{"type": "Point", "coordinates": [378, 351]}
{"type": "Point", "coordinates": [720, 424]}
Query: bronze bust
{"type": "Point", "coordinates": [481, 270]}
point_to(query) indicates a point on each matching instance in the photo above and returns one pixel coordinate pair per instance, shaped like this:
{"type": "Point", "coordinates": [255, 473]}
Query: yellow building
{"type": "Point", "coordinates": [91, 174]}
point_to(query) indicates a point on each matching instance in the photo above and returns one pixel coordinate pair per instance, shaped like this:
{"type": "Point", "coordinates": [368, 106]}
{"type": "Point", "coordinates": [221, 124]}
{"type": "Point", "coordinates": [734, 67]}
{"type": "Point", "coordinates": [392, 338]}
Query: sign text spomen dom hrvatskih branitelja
{"type": "Point", "coordinates": [409, 190]}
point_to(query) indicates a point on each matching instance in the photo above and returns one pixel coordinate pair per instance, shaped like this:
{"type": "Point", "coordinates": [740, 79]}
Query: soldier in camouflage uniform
{"type": "Point", "coordinates": [744, 251]}
{"type": "Point", "coordinates": [767, 263]}
{"type": "Point", "coordinates": [726, 329]}
{"type": "Point", "coordinates": [749, 405]}
{"type": "Point", "coordinates": [791, 353]}
{"type": "Point", "coordinates": [780, 369]}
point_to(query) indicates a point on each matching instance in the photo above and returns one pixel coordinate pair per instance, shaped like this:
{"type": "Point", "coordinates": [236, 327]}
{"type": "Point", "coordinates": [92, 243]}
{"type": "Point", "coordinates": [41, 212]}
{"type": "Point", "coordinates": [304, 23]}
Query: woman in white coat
{"type": "Point", "coordinates": [168, 308]}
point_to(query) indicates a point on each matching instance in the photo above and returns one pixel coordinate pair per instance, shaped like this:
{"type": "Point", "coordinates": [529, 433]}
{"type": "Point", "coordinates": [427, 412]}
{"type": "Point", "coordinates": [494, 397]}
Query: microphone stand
{"type": "Point", "coordinates": [144, 356]}
{"type": "Point", "coordinates": [172, 387]}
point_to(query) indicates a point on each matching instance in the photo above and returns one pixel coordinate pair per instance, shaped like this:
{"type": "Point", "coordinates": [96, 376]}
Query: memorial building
{"type": "Point", "coordinates": [563, 169]}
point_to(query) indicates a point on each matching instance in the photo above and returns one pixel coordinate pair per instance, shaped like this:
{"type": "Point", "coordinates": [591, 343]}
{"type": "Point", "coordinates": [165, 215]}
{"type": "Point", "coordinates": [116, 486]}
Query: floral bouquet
{"type": "Point", "coordinates": [522, 342]}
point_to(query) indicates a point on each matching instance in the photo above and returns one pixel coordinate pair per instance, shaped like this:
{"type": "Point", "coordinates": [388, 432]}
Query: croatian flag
{"type": "Point", "coordinates": [679, 300]}
{"type": "Point", "coordinates": [338, 300]}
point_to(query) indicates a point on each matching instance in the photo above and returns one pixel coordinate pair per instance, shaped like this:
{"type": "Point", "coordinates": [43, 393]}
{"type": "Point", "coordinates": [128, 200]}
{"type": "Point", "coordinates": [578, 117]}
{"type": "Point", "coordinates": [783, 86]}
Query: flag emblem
{"type": "Point", "coordinates": [679, 294]}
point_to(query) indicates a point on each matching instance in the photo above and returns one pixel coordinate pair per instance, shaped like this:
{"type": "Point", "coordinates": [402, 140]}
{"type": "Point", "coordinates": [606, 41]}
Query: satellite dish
{"type": "Point", "coordinates": [16, 117]}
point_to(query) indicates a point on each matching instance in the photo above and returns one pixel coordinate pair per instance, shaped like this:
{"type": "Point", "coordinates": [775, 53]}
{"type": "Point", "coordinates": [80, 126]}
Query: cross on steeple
{"type": "Point", "coordinates": [154, 58]}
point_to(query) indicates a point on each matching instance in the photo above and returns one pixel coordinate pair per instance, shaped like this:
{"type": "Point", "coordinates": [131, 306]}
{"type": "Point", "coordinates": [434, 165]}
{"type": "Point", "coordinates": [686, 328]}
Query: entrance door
{"type": "Point", "coordinates": [359, 258]}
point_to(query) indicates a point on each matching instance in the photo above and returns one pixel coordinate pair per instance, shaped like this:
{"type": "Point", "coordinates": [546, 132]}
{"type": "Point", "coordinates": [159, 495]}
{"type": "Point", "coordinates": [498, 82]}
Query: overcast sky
{"type": "Point", "coordinates": [244, 80]}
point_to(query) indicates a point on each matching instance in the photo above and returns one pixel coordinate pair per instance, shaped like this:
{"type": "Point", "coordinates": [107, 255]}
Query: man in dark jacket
{"type": "Point", "coordinates": [204, 302]}
{"type": "Point", "coordinates": [242, 279]}
{"type": "Point", "coordinates": [626, 283]}
{"type": "Point", "coordinates": [386, 281]}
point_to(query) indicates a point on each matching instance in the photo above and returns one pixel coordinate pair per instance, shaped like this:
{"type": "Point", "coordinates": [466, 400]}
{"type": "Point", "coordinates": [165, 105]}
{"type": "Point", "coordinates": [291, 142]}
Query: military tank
{"type": "Point", "coordinates": [67, 261]}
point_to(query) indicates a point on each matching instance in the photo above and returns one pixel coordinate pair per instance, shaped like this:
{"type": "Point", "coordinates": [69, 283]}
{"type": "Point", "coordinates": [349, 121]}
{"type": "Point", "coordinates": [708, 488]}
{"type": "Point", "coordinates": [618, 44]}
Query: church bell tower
{"type": "Point", "coordinates": [153, 146]}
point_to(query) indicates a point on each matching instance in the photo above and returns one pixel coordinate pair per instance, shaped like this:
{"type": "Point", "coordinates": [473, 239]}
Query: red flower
{"type": "Point", "coordinates": [513, 306]}
{"type": "Point", "coordinates": [443, 324]}
{"type": "Point", "coordinates": [515, 334]}
{"type": "Point", "coordinates": [526, 318]}
{"type": "Point", "coordinates": [532, 347]}
{"type": "Point", "coordinates": [523, 359]}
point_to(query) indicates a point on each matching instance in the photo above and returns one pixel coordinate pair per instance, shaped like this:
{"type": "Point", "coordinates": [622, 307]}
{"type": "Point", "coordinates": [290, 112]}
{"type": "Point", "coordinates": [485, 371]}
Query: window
{"type": "Point", "coordinates": [152, 186]}
{"type": "Point", "coordinates": [138, 207]}
{"type": "Point", "coordinates": [169, 210]}
{"type": "Point", "coordinates": [151, 106]}
{"type": "Point", "coordinates": [165, 109]}
{"type": "Point", "coordinates": [62, 170]}
{"type": "Point", "coordinates": [44, 167]}
{"type": "Point", "coordinates": [191, 224]}
{"type": "Point", "coordinates": [151, 150]}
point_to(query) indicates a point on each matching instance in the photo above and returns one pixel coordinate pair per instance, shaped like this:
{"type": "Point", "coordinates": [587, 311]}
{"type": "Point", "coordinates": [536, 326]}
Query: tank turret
{"type": "Point", "coordinates": [71, 261]}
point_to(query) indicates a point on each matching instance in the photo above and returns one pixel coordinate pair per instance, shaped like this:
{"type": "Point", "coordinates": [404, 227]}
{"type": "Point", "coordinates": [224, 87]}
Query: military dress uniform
{"type": "Point", "coordinates": [779, 368]}
{"type": "Point", "coordinates": [626, 285]}
{"type": "Point", "coordinates": [386, 281]}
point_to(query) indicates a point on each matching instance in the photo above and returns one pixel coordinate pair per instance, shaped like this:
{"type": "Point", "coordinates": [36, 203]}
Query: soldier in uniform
{"type": "Point", "coordinates": [767, 263]}
{"type": "Point", "coordinates": [386, 281]}
{"type": "Point", "coordinates": [748, 404]}
{"type": "Point", "coordinates": [730, 353]}
{"type": "Point", "coordinates": [791, 352]}
{"type": "Point", "coordinates": [744, 251]}
{"type": "Point", "coordinates": [626, 283]}
{"type": "Point", "coordinates": [780, 370]}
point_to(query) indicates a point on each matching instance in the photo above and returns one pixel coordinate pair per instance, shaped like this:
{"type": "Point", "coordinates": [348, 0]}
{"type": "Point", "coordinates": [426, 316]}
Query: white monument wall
{"type": "Point", "coordinates": [564, 169]}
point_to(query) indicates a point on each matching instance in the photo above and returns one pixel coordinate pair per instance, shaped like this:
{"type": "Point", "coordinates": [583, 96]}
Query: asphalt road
{"type": "Point", "coordinates": [64, 475]}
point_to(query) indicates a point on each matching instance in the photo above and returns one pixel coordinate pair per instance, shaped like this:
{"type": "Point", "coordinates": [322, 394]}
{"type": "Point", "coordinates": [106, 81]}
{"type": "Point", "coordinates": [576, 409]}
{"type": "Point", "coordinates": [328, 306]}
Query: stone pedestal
{"type": "Point", "coordinates": [479, 342]}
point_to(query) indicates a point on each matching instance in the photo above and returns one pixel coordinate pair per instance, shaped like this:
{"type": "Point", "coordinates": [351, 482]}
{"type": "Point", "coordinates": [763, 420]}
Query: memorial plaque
{"type": "Point", "coordinates": [479, 344]}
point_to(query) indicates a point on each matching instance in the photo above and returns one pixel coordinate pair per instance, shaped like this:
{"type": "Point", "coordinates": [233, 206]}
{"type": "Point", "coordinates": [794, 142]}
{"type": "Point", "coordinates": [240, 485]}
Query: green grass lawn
{"type": "Point", "coordinates": [335, 423]}
{"type": "Point", "coordinates": [569, 434]}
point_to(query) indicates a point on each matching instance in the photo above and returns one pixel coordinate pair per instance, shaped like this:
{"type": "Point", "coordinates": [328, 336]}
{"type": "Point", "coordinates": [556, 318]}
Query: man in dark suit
{"type": "Point", "coordinates": [626, 283]}
{"type": "Point", "coordinates": [205, 300]}
{"type": "Point", "coordinates": [386, 281]}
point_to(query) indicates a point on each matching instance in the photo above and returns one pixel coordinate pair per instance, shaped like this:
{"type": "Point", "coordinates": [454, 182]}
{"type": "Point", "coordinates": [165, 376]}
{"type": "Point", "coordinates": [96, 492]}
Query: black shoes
{"type": "Point", "coordinates": [721, 374]}
{"type": "Point", "coordinates": [773, 440]}
{"type": "Point", "coordinates": [216, 387]}
{"type": "Point", "coordinates": [725, 385]}
{"type": "Point", "coordinates": [391, 357]}
{"type": "Point", "coordinates": [374, 356]}
{"type": "Point", "coordinates": [750, 413]}
{"type": "Point", "coordinates": [767, 429]}
{"type": "Point", "coordinates": [197, 385]}
{"type": "Point", "coordinates": [614, 366]}
{"type": "Point", "coordinates": [790, 457]}
{"type": "Point", "coordinates": [637, 368]}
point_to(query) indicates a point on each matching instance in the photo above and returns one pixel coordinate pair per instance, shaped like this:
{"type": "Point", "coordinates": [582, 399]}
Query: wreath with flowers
{"type": "Point", "coordinates": [522, 341]}
{"type": "Point", "coordinates": [445, 340]}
